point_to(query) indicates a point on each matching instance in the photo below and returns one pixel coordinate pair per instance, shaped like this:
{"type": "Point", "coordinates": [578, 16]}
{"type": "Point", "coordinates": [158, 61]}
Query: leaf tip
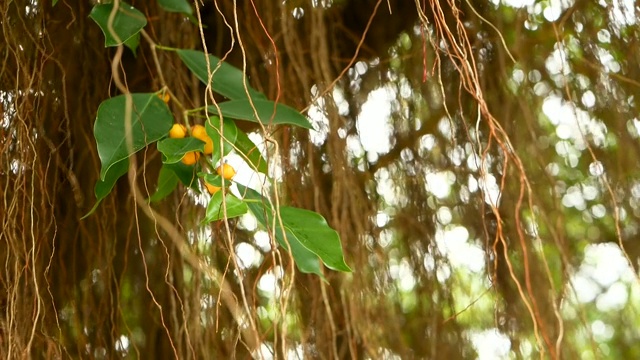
{"type": "Point", "coordinates": [93, 209]}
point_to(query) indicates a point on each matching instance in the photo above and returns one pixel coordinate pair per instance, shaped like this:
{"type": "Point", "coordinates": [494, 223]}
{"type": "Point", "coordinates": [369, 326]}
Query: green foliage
{"type": "Point", "coordinates": [228, 139]}
{"type": "Point", "coordinates": [250, 150]}
{"type": "Point", "coordinates": [174, 149]}
{"type": "Point", "coordinates": [306, 260]}
{"type": "Point", "coordinates": [215, 210]}
{"type": "Point", "coordinates": [307, 226]}
{"type": "Point", "coordinates": [305, 234]}
{"type": "Point", "coordinates": [179, 6]}
{"type": "Point", "coordinates": [127, 23]}
{"type": "Point", "coordinates": [226, 80]}
{"type": "Point", "coordinates": [104, 187]}
{"type": "Point", "coordinates": [267, 112]}
{"type": "Point", "coordinates": [212, 179]}
{"type": "Point", "coordinates": [167, 182]}
{"type": "Point", "coordinates": [150, 121]}
{"type": "Point", "coordinates": [186, 174]}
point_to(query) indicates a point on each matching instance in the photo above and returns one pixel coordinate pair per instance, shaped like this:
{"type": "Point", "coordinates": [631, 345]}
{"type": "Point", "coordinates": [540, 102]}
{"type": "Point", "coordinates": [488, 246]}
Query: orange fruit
{"type": "Point", "coordinates": [212, 189]}
{"type": "Point", "coordinates": [226, 171]}
{"type": "Point", "coordinates": [164, 97]}
{"type": "Point", "coordinates": [208, 146]}
{"type": "Point", "coordinates": [178, 131]}
{"type": "Point", "coordinates": [190, 158]}
{"type": "Point", "coordinates": [199, 132]}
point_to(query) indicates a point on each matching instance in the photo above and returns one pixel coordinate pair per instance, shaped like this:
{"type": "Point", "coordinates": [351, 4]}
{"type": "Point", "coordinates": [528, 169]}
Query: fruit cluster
{"type": "Point", "coordinates": [179, 131]}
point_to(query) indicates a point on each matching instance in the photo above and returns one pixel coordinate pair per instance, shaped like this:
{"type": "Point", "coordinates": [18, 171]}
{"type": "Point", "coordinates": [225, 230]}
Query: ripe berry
{"type": "Point", "coordinates": [164, 97]}
{"type": "Point", "coordinates": [212, 189]}
{"type": "Point", "coordinates": [178, 131]}
{"type": "Point", "coordinates": [199, 132]}
{"type": "Point", "coordinates": [226, 171]}
{"type": "Point", "coordinates": [190, 158]}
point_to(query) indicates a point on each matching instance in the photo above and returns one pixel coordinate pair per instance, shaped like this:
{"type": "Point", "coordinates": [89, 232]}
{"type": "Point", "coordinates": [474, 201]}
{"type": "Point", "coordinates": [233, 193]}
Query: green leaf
{"type": "Point", "coordinates": [215, 209]}
{"type": "Point", "coordinates": [306, 261]}
{"type": "Point", "coordinates": [234, 136]}
{"type": "Point", "coordinates": [247, 147]}
{"type": "Point", "coordinates": [242, 110]}
{"type": "Point", "coordinates": [132, 43]}
{"type": "Point", "coordinates": [214, 179]}
{"type": "Point", "coordinates": [230, 134]}
{"type": "Point", "coordinates": [179, 6]}
{"type": "Point", "coordinates": [150, 121]}
{"type": "Point", "coordinates": [313, 232]}
{"type": "Point", "coordinates": [303, 227]}
{"type": "Point", "coordinates": [127, 22]}
{"type": "Point", "coordinates": [227, 80]}
{"type": "Point", "coordinates": [167, 182]}
{"type": "Point", "coordinates": [53, 3]}
{"type": "Point", "coordinates": [174, 149]}
{"type": "Point", "coordinates": [186, 174]}
{"type": "Point", "coordinates": [104, 187]}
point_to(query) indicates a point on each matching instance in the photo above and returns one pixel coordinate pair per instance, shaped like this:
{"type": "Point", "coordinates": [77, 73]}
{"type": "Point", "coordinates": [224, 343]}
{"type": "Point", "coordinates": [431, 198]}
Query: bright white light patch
{"type": "Point", "coordinates": [490, 189]}
{"type": "Point", "coordinates": [553, 10]}
{"type": "Point", "coordinates": [604, 268]}
{"type": "Point", "coordinates": [403, 274]}
{"type": "Point", "coordinates": [573, 123]}
{"type": "Point", "coordinates": [374, 121]}
{"type": "Point", "coordinates": [268, 283]}
{"type": "Point", "coordinates": [122, 344]}
{"type": "Point", "coordinates": [491, 344]}
{"type": "Point", "coordinates": [262, 240]}
{"type": "Point", "coordinates": [247, 255]}
{"type": "Point", "coordinates": [515, 3]}
{"type": "Point", "coordinates": [439, 183]}
{"type": "Point", "coordinates": [453, 243]}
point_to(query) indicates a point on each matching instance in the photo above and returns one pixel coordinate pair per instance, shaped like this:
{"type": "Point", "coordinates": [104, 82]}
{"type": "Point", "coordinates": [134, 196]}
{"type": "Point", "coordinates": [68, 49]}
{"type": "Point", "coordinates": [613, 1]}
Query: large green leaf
{"type": "Point", "coordinates": [213, 179]}
{"type": "Point", "coordinates": [127, 22]}
{"type": "Point", "coordinates": [251, 151]}
{"type": "Point", "coordinates": [180, 6]}
{"type": "Point", "coordinates": [306, 261]}
{"type": "Point", "coordinates": [268, 112]}
{"type": "Point", "coordinates": [227, 80]}
{"type": "Point", "coordinates": [104, 187]}
{"type": "Point", "coordinates": [215, 209]}
{"type": "Point", "coordinates": [132, 43]}
{"type": "Point", "coordinates": [313, 232]}
{"type": "Point", "coordinates": [167, 182]}
{"type": "Point", "coordinates": [150, 121]}
{"type": "Point", "coordinates": [186, 174]}
{"type": "Point", "coordinates": [234, 136]}
{"type": "Point", "coordinates": [174, 149]}
{"type": "Point", "coordinates": [307, 234]}
{"type": "Point", "coordinates": [230, 134]}
{"type": "Point", "coordinates": [307, 228]}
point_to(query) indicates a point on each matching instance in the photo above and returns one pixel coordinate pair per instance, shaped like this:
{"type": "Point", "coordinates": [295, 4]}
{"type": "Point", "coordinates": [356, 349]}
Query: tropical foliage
{"type": "Point", "coordinates": [359, 179]}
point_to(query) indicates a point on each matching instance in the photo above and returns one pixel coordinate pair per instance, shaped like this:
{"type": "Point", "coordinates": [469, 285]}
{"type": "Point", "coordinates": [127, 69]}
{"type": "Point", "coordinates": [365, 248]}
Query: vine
{"type": "Point", "coordinates": [305, 234]}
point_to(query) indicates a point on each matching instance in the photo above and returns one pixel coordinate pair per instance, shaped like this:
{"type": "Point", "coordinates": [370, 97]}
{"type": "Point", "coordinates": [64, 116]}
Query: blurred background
{"type": "Point", "coordinates": [479, 160]}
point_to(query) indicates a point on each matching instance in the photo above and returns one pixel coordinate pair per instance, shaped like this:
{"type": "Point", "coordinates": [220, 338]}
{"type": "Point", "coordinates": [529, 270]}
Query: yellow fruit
{"type": "Point", "coordinates": [178, 131]}
{"type": "Point", "coordinates": [190, 158]}
{"type": "Point", "coordinates": [164, 97]}
{"type": "Point", "coordinates": [208, 146]}
{"type": "Point", "coordinates": [226, 171]}
{"type": "Point", "coordinates": [212, 189]}
{"type": "Point", "coordinates": [199, 132]}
